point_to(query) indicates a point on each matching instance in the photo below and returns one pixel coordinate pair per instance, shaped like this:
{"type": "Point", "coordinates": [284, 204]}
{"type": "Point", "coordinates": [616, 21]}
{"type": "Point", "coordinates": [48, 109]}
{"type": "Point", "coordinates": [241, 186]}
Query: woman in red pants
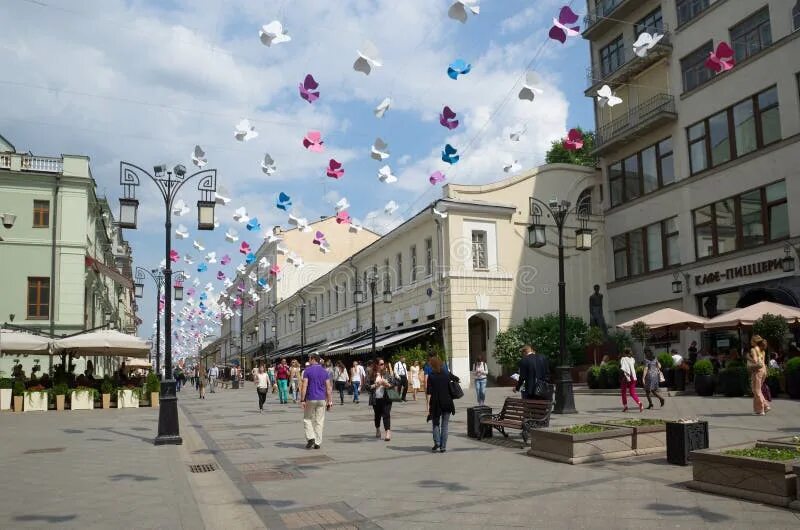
{"type": "Point", "coordinates": [628, 379]}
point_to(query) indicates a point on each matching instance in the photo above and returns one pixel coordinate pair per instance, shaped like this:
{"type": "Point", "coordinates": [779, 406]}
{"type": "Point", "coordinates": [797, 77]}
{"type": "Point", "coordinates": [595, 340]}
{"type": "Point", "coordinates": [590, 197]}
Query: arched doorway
{"type": "Point", "coordinates": [478, 338]}
{"type": "Point", "coordinates": [777, 295]}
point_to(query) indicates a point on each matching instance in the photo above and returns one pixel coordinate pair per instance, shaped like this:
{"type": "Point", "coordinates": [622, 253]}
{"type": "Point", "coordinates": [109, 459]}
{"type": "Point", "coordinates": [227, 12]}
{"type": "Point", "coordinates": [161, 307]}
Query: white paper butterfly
{"type": "Point", "coordinates": [273, 33]}
{"type": "Point", "coordinates": [245, 131]}
{"type": "Point", "coordinates": [390, 207]}
{"type": "Point", "coordinates": [211, 257]}
{"type": "Point", "coordinates": [199, 157]}
{"type": "Point", "coordinates": [443, 215]}
{"type": "Point", "coordinates": [268, 165]}
{"type": "Point", "coordinates": [645, 43]}
{"type": "Point", "coordinates": [355, 228]}
{"type": "Point", "coordinates": [231, 236]}
{"type": "Point", "coordinates": [368, 58]}
{"type": "Point", "coordinates": [179, 208]}
{"type": "Point", "coordinates": [281, 249]}
{"type": "Point", "coordinates": [198, 245]}
{"type": "Point", "coordinates": [240, 215]}
{"type": "Point", "coordinates": [182, 232]}
{"type": "Point", "coordinates": [379, 150]}
{"type": "Point", "coordinates": [512, 166]}
{"type": "Point", "coordinates": [382, 107]}
{"type": "Point", "coordinates": [221, 196]}
{"type": "Point", "coordinates": [531, 87]}
{"type": "Point", "coordinates": [458, 11]}
{"type": "Point", "coordinates": [517, 134]}
{"type": "Point", "coordinates": [385, 175]}
{"type": "Point", "coordinates": [271, 237]}
{"type": "Point", "coordinates": [342, 205]}
{"type": "Point", "coordinates": [606, 97]}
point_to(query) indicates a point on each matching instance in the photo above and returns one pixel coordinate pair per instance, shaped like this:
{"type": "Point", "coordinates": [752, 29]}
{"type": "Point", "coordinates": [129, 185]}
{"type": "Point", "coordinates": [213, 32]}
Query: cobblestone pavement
{"type": "Point", "coordinates": [109, 475]}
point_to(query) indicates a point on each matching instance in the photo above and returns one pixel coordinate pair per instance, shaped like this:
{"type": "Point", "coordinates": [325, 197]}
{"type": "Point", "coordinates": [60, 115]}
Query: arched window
{"type": "Point", "coordinates": [796, 16]}
{"type": "Point", "coordinates": [584, 203]}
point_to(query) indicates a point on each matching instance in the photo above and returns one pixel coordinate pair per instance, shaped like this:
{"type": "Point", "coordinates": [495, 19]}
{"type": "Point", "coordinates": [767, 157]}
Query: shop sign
{"type": "Point", "coordinates": [742, 271]}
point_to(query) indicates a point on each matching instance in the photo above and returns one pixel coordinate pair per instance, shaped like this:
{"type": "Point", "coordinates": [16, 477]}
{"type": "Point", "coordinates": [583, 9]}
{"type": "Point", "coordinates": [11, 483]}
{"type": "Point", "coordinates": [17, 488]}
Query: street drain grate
{"type": "Point", "coordinates": [45, 450]}
{"type": "Point", "coordinates": [202, 468]}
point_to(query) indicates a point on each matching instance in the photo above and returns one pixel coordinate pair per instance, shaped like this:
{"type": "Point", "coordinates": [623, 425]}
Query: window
{"type": "Point", "coordinates": [620, 256]}
{"type": "Point", "coordinates": [366, 288]}
{"type": "Point", "coordinates": [666, 168]}
{"type": "Point", "coordinates": [329, 313]}
{"type": "Point", "coordinates": [413, 253]}
{"type": "Point", "coordinates": [752, 219]}
{"type": "Point", "coordinates": [689, 9]}
{"type": "Point", "coordinates": [479, 250]}
{"type": "Point", "coordinates": [641, 173]}
{"type": "Point", "coordinates": [38, 298]}
{"type": "Point", "coordinates": [655, 250]}
{"type": "Point", "coordinates": [647, 249]}
{"type": "Point", "coordinates": [428, 256]}
{"type": "Point", "coordinates": [651, 23]}
{"type": "Point", "coordinates": [671, 239]}
{"type": "Point", "coordinates": [693, 67]}
{"type": "Point", "coordinates": [336, 300]}
{"type": "Point", "coordinates": [796, 16]}
{"type": "Point", "coordinates": [612, 56]}
{"type": "Point", "coordinates": [752, 35]}
{"type": "Point", "coordinates": [399, 269]}
{"type": "Point", "coordinates": [387, 285]}
{"type": "Point", "coordinates": [605, 7]}
{"type": "Point", "coordinates": [41, 214]}
{"type": "Point", "coordinates": [754, 123]}
{"type": "Point", "coordinates": [777, 211]}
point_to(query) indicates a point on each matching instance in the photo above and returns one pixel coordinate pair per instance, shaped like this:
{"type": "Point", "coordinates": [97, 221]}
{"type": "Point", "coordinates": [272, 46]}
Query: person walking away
{"type": "Point", "coordinates": [273, 383]}
{"type": "Point", "coordinates": [340, 379]}
{"type": "Point", "coordinates": [262, 386]}
{"type": "Point", "coordinates": [357, 376]}
{"type": "Point", "coordinates": [212, 377]}
{"type": "Point", "coordinates": [401, 372]}
{"type": "Point", "coordinates": [202, 387]}
{"type": "Point", "coordinates": [381, 404]}
{"type": "Point", "coordinates": [415, 381]}
{"type": "Point", "coordinates": [480, 371]}
{"type": "Point", "coordinates": [651, 377]}
{"type": "Point", "coordinates": [758, 371]}
{"type": "Point", "coordinates": [534, 371]}
{"type": "Point", "coordinates": [282, 374]}
{"type": "Point", "coordinates": [295, 374]}
{"type": "Point", "coordinates": [315, 398]}
{"type": "Point", "coordinates": [440, 404]}
{"type": "Point", "coordinates": [628, 380]}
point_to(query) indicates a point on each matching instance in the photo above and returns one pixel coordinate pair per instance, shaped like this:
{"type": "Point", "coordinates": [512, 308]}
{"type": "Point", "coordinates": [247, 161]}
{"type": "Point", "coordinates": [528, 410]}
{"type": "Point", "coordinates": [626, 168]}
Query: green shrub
{"type": "Point", "coordinates": [733, 380]}
{"type": "Point", "coordinates": [19, 388]}
{"type": "Point", "coordinates": [585, 429]}
{"type": "Point", "coordinates": [152, 384]}
{"type": "Point", "coordinates": [773, 372]}
{"type": "Point", "coordinates": [703, 367]}
{"type": "Point", "coordinates": [6, 382]}
{"type": "Point", "coordinates": [60, 390]}
{"type": "Point", "coordinates": [765, 453]}
{"type": "Point", "coordinates": [107, 386]}
{"type": "Point", "coordinates": [792, 365]}
{"type": "Point", "coordinates": [506, 348]}
{"type": "Point", "coordinates": [773, 328]}
{"type": "Point", "coordinates": [665, 359]}
{"type": "Point", "coordinates": [621, 339]}
{"type": "Point", "coordinates": [736, 363]}
{"type": "Point", "coordinates": [611, 374]}
{"type": "Point", "coordinates": [594, 377]}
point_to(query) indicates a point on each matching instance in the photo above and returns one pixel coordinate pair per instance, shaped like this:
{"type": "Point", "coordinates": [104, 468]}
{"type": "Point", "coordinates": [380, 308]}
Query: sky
{"type": "Point", "coordinates": [146, 81]}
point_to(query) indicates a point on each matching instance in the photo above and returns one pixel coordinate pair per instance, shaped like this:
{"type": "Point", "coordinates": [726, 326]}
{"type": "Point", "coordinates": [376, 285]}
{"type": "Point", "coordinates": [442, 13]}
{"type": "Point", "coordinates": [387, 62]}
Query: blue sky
{"type": "Point", "coordinates": [146, 81]}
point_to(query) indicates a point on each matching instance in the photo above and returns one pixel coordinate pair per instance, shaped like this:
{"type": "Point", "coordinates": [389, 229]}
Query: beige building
{"type": "Point", "coordinates": [701, 168]}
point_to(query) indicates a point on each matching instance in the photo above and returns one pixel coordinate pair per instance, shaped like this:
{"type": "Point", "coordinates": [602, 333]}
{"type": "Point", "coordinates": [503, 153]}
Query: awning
{"type": "Point", "coordinates": [107, 343]}
{"type": "Point", "coordinates": [393, 339]}
{"type": "Point", "coordinates": [746, 316]}
{"type": "Point", "coordinates": [112, 273]}
{"type": "Point", "coordinates": [18, 342]}
{"type": "Point", "coordinates": [295, 350]}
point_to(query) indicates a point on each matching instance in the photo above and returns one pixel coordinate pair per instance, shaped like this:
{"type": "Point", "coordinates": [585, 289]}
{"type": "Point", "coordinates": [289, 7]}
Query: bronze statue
{"type": "Point", "coordinates": [596, 317]}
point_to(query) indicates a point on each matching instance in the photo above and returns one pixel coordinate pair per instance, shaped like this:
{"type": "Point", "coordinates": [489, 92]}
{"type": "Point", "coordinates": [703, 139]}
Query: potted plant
{"type": "Point", "coordinates": [153, 388]}
{"type": "Point", "coordinates": [35, 398]}
{"type": "Point", "coordinates": [19, 394]}
{"type": "Point", "coordinates": [610, 374]}
{"type": "Point", "coordinates": [704, 378]}
{"type": "Point", "coordinates": [128, 397]}
{"type": "Point", "coordinates": [793, 377]}
{"type": "Point", "coordinates": [594, 377]}
{"type": "Point", "coordinates": [667, 368]}
{"type": "Point", "coordinates": [82, 398]}
{"type": "Point", "coordinates": [595, 338]}
{"type": "Point", "coordinates": [733, 379]}
{"type": "Point", "coordinates": [59, 391]}
{"type": "Point", "coordinates": [6, 388]}
{"type": "Point", "coordinates": [641, 332]}
{"type": "Point", "coordinates": [106, 389]}
{"type": "Point", "coordinates": [774, 381]}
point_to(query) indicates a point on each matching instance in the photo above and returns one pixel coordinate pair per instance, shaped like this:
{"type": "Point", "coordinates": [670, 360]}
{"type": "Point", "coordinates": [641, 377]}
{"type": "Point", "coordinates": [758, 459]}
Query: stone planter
{"type": "Point", "coordinates": [774, 385]}
{"type": "Point", "coordinates": [82, 401]}
{"type": "Point", "coordinates": [126, 399]}
{"type": "Point", "coordinates": [106, 398]}
{"type": "Point", "coordinates": [552, 444]}
{"type": "Point", "coordinates": [154, 399]}
{"type": "Point", "coordinates": [704, 384]}
{"type": "Point", "coordinates": [793, 384]}
{"type": "Point", "coordinates": [678, 379]}
{"type": "Point", "coordinates": [669, 377]}
{"type": "Point", "coordinates": [34, 401]}
{"type": "Point", "coordinates": [742, 477]}
{"type": "Point", "coordinates": [18, 403]}
{"type": "Point", "coordinates": [5, 399]}
{"type": "Point", "coordinates": [60, 401]}
{"type": "Point", "coordinates": [647, 439]}
{"type": "Point", "coordinates": [732, 382]}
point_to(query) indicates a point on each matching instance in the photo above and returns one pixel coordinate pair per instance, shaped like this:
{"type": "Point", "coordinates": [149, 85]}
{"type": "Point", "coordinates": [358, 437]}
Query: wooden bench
{"type": "Point", "coordinates": [520, 414]}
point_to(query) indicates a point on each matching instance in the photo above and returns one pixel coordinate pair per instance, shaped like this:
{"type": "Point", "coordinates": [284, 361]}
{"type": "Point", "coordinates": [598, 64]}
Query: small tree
{"type": "Point", "coordinates": [542, 333]}
{"type": "Point", "coordinates": [621, 340]}
{"type": "Point", "coordinates": [773, 328]}
{"type": "Point", "coordinates": [506, 348]}
{"type": "Point", "coordinates": [595, 338]}
{"type": "Point", "coordinates": [558, 154]}
{"type": "Point", "coordinates": [640, 331]}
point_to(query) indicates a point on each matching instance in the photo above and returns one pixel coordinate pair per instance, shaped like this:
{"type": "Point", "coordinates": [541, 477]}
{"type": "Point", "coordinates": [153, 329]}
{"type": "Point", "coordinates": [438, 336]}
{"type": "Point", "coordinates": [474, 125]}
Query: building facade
{"type": "Point", "coordinates": [701, 168]}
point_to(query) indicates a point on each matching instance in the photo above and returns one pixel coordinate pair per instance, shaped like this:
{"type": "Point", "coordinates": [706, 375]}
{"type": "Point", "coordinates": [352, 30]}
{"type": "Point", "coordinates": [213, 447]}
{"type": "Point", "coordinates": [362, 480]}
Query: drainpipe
{"type": "Point", "coordinates": [355, 275]}
{"type": "Point", "coordinates": [54, 221]}
{"type": "Point", "coordinates": [440, 278]}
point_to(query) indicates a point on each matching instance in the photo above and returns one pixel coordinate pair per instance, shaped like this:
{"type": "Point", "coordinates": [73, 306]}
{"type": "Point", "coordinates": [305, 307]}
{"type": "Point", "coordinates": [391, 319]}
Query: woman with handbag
{"type": "Point", "coordinates": [340, 379]}
{"type": "Point", "coordinates": [758, 372]}
{"type": "Point", "coordinates": [652, 377]}
{"type": "Point", "coordinates": [379, 386]}
{"type": "Point", "coordinates": [440, 405]}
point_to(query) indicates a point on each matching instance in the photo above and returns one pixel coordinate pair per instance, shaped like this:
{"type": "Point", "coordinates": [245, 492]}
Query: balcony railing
{"type": "Point", "coordinates": [629, 64]}
{"type": "Point", "coordinates": [24, 162]}
{"type": "Point", "coordinates": [602, 10]}
{"type": "Point", "coordinates": [5, 161]}
{"type": "Point", "coordinates": [636, 120]}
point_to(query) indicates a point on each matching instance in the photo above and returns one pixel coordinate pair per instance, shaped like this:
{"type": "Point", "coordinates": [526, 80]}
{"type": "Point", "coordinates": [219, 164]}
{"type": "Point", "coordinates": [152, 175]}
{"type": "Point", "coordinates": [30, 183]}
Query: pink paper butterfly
{"type": "Point", "coordinates": [562, 25]}
{"type": "Point", "coordinates": [574, 140]}
{"type": "Point", "coordinates": [275, 270]}
{"type": "Point", "coordinates": [343, 218]}
{"type": "Point", "coordinates": [436, 177]}
{"type": "Point", "coordinates": [319, 238]}
{"type": "Point", "coordinates": [308, 89]}
{"type": "Point", "coordinates": [244, 248]}
{"type": "Point", "coordinates": [174, 256]}
{"type": "Point", "coordinates": [722, 59]}
{"type": "Point", "coordinates": [224, 260]}
{"type": "Point", "coordinates": [220, 275]}
{"type": "Point", "coordinates": [447, 118]}
{"type": "Point", "coordinates": [238, 301]}
{"type": "Point", "coordinates": [313, 141]}
{"type": "Point", "coordinates": [190, 292]}
{"type": "Point", "coordinates": [335, 170]}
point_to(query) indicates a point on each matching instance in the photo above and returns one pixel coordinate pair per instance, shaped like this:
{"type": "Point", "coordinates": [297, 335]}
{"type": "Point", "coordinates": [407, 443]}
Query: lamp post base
{"type": "Point", "coordinates": [168, 430]}
{"type": "Point", "coordinates": [565, 399]}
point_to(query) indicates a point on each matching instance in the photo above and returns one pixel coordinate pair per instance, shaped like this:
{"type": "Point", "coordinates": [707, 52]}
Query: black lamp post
{"type": "Point", "coordinates": [158, 278]}
{"type": "Point", "coordinates": [358, 296]}
{"type": "Point", "coordinates": [559, 211]}
{"type": "Point", "coordinates": [787, 263]}
{"type": "Point", "coordinates": [169, 184]}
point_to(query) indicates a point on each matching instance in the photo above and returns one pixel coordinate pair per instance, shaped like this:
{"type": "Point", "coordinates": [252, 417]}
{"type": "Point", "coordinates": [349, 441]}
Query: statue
{"type": "Point", "coordinates": [596, 317]}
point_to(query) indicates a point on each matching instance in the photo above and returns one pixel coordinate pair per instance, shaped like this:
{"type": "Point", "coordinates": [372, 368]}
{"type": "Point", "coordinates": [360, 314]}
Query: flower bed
{"type": "Point", "coordinates": [649, 435]}
{"type": "Point", "coordinates": [582, 443]}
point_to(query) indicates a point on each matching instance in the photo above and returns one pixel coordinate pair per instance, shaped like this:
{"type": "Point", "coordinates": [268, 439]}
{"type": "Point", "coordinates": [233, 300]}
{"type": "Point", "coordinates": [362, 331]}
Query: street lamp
{"type": "Point", "coordinates": [787, 263]}
{"type": "Point", "coordinates": [178, 288]}
{"type": "Point", "coordinates": [387, 299]}
{"type": "Point", "coordinates": [677, 284]}
{"type": "Point", "coordinates": [169, 183]}
{"type": "Point", "coordinates": [559, 211]}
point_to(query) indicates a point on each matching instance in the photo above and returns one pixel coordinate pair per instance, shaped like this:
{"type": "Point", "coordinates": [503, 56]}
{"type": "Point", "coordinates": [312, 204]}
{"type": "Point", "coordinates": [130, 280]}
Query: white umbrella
{"type": "Point", "coordinates": [18, 342]}
{"type": "Point", "coordinates": [105, 342]}
{"type": "Point", "coordinates": [746, 316]}
{"type": "Point", "coordinates": [667, 318]}
{"type": "Point", "coordinates": [132, 363]}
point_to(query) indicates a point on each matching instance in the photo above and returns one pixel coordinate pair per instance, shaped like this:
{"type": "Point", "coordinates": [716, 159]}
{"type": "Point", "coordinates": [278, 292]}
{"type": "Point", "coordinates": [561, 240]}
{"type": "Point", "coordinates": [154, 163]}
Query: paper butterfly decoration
{"type": "Point", "coordinates": [436, 212]}
{"type": "Point", "coordinates": [645, 43]}
{"type": "Point", "coordinates": [436, 177]}
{"type": "Point", "coordinates": [562, 26]}
{"type": "Point", "coordinates": [355, 228]}
{"type": "Point", "coordinates": [241, 215]}
{"type": "Point", "coordinates": [343, 204]}
{"type": "Point", "coordinates": [250, 258]}
{"type": "Point", "coordinates": [263, 262]}
{"type": "Point", "coordinates": [190, 292]}
{"type": "Point", "coordinates": [211, 257]}
{"type": "Point", "coordinates": [179, 208]}
{"type": "Point", "coordinates": [574, 140]}
{"type": "Point", "coordinates": [174, 256]}
{"type": "Point", "coordinates": [221, 196]}
{"type": "Point", "coordinates": [284, 202]}
{"type": "Point", "coordinates": [198, 245]}
{"type": "Point", "coordinates": [447, 118]}
{"type": "Point", "coordinates": [722, 59]}
{"type": "Point", "coordinates": [390, 207]}
{"type": "Point", "coordinates": [368, 58]}
{"type": "Point", "coordinates": [202, 267]}
{"type": "Point", "coordinates": [385, 175]}
{"type": "Point", "coordinates": [458, 67]}
{"type": "Point", "coordinates": [245, 131]}
{"type": "Point", "coordinates": [281, 249]}
{"type": "Point", "coordinates": [182, 232]}
{"type": "Point", "coordinates": [188, 259]}
{"type": "Point", "coordinates": [517, 134]}
{"type": "Point", "coordinates": [231, 236]}
{"type": "Point", "coordinates": [322, 248]}
{"type": "Point", "coordinates": [253, 225]}
{"type": "Point", "coordinates": [220, 275]}
{"type": "Point", "coordinates": [308, 89]}
{"type": "Point", "coordinates": [531, 87]}
{"type": "Point", "coordinates": [606, 97]}
{"type": "Point", "coordinates": [379, 150]}
{"type": "Point", "coordinates": [512, 167]}
{"type": "Point", "coordinates": [319, 238]}
{"type": "Point", "coordinates": [262, 282]}
{"type": "Point", "coordinates": [199, 157]}
{"type": "Point", "coordinates": [335, 170]}
{"type": "Point", "coordinates": [382, 107]}
{"type": "Point", "coordinates": [224, 260]}
{"type": "Point", "coordinates": [343, 218]}
{"type": "Point", "coordinates": [458, 11]}
{"type": "Point", "coordinates": [273, 33]}
{"type": "Point", "coordinates": [450, 154]}
{"type": "Point", "coordinates": [271, 237]}
{"type": "Point", "coordinates": [300, 222]}
{"type": "Point", "coordinates": [268, 165]}
{"type": "Point", "coordinates": [244, 248]}
{"type": "Point", "coordinates": [275, 270]}
{"type": "Point", "coordinates": [313, 142]}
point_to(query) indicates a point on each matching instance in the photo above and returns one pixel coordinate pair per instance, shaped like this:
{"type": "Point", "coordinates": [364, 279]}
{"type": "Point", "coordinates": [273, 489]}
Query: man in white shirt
{"type": "Point", "coordinates": [401, 371]}
{"type": "Point", "coordinates": [677, 360]}
{"type": "Point", "coordinates": [212, 377]}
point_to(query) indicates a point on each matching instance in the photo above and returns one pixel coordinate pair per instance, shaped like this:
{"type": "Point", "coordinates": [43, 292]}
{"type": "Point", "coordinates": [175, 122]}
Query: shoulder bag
{"type": "Point", "coordinates": [455, 388]}
{"type": "Point", "coordinates": [393, 394]}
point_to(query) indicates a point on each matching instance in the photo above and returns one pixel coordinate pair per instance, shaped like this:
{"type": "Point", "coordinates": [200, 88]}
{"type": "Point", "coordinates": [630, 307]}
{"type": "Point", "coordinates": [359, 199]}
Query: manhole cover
{"type": "Point", "coordinates": [272, 474]}
{"type": "Point", "coordinates": [305, 460]}
{"type": "Point", "coordinates": [202, 468]}
{"type": "Point", "coordinates": [264, 471]}
{"type": "Point", "coordinates": [45, 450]}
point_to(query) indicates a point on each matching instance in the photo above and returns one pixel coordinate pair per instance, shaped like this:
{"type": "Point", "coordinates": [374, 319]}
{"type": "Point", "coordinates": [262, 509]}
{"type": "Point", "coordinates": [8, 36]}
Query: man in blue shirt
{"type": "Point", "coordinates": [315, 398]}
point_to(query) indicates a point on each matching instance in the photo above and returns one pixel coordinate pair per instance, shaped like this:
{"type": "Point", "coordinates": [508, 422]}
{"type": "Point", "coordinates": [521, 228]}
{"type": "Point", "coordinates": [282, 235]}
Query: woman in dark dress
{"type": "Point", "coordinates": [440, 404]}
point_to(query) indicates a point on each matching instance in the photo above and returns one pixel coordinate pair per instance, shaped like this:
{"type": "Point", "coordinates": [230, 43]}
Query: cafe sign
{"type": "Point", "coordinates": [743, 271]}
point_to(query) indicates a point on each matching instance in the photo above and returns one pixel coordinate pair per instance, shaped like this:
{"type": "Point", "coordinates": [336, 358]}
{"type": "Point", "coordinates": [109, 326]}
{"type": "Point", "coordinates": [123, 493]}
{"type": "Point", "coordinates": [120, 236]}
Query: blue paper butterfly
{"type": "Point", "coordinates": [250, 258]}
{"type": "Point", "coordinates": [202, 267]}
{"type": "Point", "coordinates": [254, 225]}
{"type": "Point", "coordinates": [458, 67]}
{"type": "Point", "coordinates": [284, 202]}
{"type": "Point", "coordinates": [449, 154]}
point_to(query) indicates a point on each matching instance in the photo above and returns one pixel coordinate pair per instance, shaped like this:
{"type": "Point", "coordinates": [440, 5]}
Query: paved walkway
{"type": "Point", "coordinates": [108, 475]}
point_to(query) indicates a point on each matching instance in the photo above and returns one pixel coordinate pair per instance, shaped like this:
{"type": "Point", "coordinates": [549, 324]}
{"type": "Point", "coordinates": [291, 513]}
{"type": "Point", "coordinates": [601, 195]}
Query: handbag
{"type": "Point", "coordinates": [455, 388]}
{"type": "Point", "coordinates": [393, 395]}
{"type": "Point", "coordinates": [661, 378]}
{"type": "Point", "coordinates": [540, 389]}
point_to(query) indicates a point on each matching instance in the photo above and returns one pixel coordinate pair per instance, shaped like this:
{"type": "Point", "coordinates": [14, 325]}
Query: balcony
{"type": "Point", "coordinates": [600, 20]}
{"type": "Point", "coordinates": [630, 64]}
{"type": "Point", "coordinates": [25, 162]}
{"type": "Point", "coordinates": [639, 120]}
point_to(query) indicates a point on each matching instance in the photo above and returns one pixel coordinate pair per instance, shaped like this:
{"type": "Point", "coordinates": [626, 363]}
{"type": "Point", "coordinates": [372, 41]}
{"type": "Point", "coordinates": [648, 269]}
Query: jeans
{"type": "Point", "coordinates": [383, 410]}
{"type": "Point", "coordinates": [283, 390]}
{"type": "Point", "coordinates": [262, 397]}
{"type": "Point", "coordinates": [440, 424]}
{"type": "Point", "coordinates": [296, 389]}
{"type": "Point", "coordinates": [177, 385]}
{"type": "Point", "coordinates": [480, 390]}
{"type": "Point", "coordinates": [340, 387]}
{"type": "Point", "coordinates": [314, 420]}
{"type": "Point", "coordinates": [356, 385]}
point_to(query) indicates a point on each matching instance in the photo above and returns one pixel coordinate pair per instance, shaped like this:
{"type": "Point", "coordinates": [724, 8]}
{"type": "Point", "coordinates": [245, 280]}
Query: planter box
{"type": "Point", "coordinates": [704, 384]}
{"type": "Point", "coordinates": [106, 399]}
{"type": "Point", "coordinates": [126, 399]}
{"type": "Point", "coordinates": [60, 401]}
{"type": "Point", "coordinates": [18, 403]}
{"type": "Point", "coordinates": [742, 477]}
{"type": "Point", "coordinates": [82, 401]}
{"type": "Point", "coordinates": [34, 401]}
{"type": "Point", "coordinates": [5, 399]}
{"type": "Point", "coordinates": [683, 438]}
{"type": "Point", "coordinates": [784, 442]}
{"type": "Point", "coordinates": [553, 444]}
{"type": "Point", "coordinates": [793, 384]}
{"type": "Point", "coordinates": [154, 399]}
{"type": "Point", "coordinates": [647, 439]}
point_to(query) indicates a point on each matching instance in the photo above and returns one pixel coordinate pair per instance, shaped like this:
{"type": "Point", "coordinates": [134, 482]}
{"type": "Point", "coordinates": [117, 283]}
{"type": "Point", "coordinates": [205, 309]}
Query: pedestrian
{"type": "Point", "coordinates": [295, 374]}
{"type": "Point", "coordinates": [262, 386]}
{"type": "Point", "coordinates": [651, 377]}
{"type": "Point", "coordinates": [440, 404]}
{"type": "Point", "coordinates": [379, 399]}
{"type": "Point", "coordinates": [758, 371]}
{"type": "Point", "coordinates": [315, 398]}
{"type": "Point", "coordinates": [330, 369]}
{"type": "Point", "coordinates": [627, 379]}
{"type": "Point", "coordinates": [401, 373]}
{"type": "Point", "coordinates": [202, 387]}
{"type": "Point", "coordinates": [415, 381]}
{"type": "Point", "coordinates": [282, 374]}
{"type": "Point", "coordinates": [273, 383]}
{"type": "Point", "coordinates": [340, 379]}
{"type": "Point", "coordinates": [212, 377]}
{"type": "Point", "coordinates": [357, 376]}
{"type": "Point", "coordinates": [534, 371]}
{"type": "Point", "coordinates": [481, 372]}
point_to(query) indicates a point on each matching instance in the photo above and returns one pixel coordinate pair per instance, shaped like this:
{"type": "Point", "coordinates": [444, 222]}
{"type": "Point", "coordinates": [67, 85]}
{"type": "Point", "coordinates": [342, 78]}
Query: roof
{"type": "Point", "coordinates": [6, 146]}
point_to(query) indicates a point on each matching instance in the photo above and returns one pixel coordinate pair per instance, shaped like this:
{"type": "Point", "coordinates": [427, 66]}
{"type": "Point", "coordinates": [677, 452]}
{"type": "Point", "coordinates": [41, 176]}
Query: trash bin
{"type": "Point", "coordinates": [683, 438]}
{"type": "Point", "coordinates": [474, 421]}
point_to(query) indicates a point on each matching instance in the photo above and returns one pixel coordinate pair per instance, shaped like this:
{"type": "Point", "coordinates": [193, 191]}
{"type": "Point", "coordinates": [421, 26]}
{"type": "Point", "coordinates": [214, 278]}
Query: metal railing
{"type": "Point", "coordinates": [635, 118]}
{"type": "Point", "coordinates": [597, 73]}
